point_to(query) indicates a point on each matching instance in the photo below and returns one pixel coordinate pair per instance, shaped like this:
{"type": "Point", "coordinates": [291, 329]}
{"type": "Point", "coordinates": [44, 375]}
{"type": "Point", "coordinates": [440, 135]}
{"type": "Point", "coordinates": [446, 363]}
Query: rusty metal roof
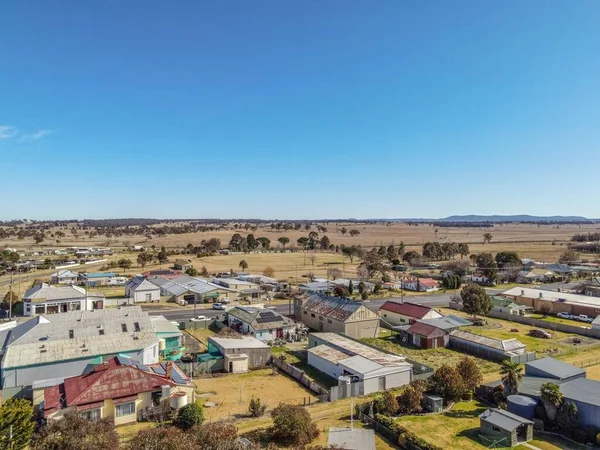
{"type": "Point", "coordinates": [506, 345]}
{"type": "Point", "coordinates": [333, 307]}
{"type": "Point", "coordinates": [407, 309]}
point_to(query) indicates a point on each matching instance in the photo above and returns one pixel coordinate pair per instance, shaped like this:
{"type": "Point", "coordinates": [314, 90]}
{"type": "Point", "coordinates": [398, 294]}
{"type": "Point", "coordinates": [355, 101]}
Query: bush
{"type": "Point", "coordinates": [540, 413]}
{"type": "Point", "coordinates": [189, 416]}
{"type": "Point", "coordinates": [410, 400]}
{"type": "Point", "coordinates": [256, 408]}
{"type": "Point", "coordinates": [538, 424]}
{"type": "Point", "coordinates": [292, 425]}
{"type": "Point", "coordinates": [580, 435]}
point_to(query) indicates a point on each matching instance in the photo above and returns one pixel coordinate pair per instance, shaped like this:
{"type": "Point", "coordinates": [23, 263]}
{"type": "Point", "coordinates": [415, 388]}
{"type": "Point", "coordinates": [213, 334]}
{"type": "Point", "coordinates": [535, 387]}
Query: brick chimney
{"type": "Point", "coordinates": [169, 370]}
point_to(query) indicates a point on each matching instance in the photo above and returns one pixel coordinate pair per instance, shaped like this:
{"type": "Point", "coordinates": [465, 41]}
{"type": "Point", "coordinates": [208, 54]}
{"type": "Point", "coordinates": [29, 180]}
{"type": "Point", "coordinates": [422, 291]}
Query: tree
{"type": "Point", "coordinates": [340, 291]}
{"type": "Point", "coordinates": [569, 257]}
{"type": "Point", "coordinates": [292, 425]}
{"type": "Point", "coordinates": [204, 272]}
{"type": "Point", "coordinates": [567, 418]}
{"type": "Point", "coordinates": [354, 233]}
{"type": "Point", "coordinates": [487, 238]}
{"type": "Point", "coordinates": [410, 400]}
{"type": "Point", "coordinates": [512, 374]}
{"type": "Point", "coordinates": [343, 230]}
{"type": "Point", "coordinates": [508, 258]}
{"type": "Point", "coordinates": [388, 404]}
{"type": "Point", "coordinates": [252, 242]}
{"type": "Point", "coordinates": [189, 416]}
{"type": "Point", "coordinates": [463, 250]}
{"type": "Point", "coordinates": [162, 255]}
{"type": "Point", "coordinates": [7, 300]}
{"type": "Point", "coordinates": [217, 436]}
{"type": "Point", "coordinates": [256, 408]}
{"type": "Point", "coordinates": [447, 382]}
{"type": "Point", "coordinates": [373, 262]}
{"type": "Point", "coordinates": [124, 263]}
{"type": "Point", "coordinates": [192, 272]}
{"type": "Point", "coordinates": [243, 265]}
{"type": "Point", "coordinates": [143, 258]}
{"type": "Point", "coordinates": [551, 398]}
{"type": "Point", "coordinates": [470, 373]}
{"type": "Point", "coordinates": [392, 253]}
{"type": "Point", "coordinates": [451, 281]}
{"type": "Point", "coordinates": [160, 438]}
{"type": "Point", "coordinates": [351, 252]}
{"type": "Point", "coordinates": [16, 424]}
{"type": "Point", "coordinates": [74, 432]}
{"type": "Point", "coordinates": [283, 241]}
{"type": "Point", "coordinates": [334, 273]}
{"type": "Point", "coordinates": [325, 243]}
{"type": "Point", "coordinates": [350, 287]}
{"type": "Point", "coordinates": [487, 266]}
{"type": "Point", "coordinates": [268, 272]}
{"type": "Point", "coordinates": [475, 300]}
{"type": "Point", "coordinates": [410, 257]}
{"type": "Point", "coordinates": [238, 243]}
{"type": "Point", "coordinates": [265, 242]}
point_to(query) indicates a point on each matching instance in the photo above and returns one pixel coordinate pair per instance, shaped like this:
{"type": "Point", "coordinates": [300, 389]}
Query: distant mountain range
{"type": "Point", "coordinates": [515, 218]}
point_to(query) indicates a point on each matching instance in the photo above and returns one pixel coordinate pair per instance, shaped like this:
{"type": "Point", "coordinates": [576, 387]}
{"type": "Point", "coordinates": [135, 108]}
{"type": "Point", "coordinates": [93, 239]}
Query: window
{"type": "Point", "coordinates": [495, 428]}
{"type": "Point", "coordinates": [329, 321]}
{"type": "Point", "coordinates": [305, 312]}
{"type": "Point", "coordinates": [148, 297]}
{"type": "Point", "coordinates": [320, 317]}
{"type": "Point", "coordinates": [136, 326]}
{"type": "Point", "coordinates": [125, 409]}
{"type": "Point", "coordinates": [92, 414]}
{"type": "Point", "coordinates": [71, 334]}
{"type": "Point", "coordinates": [124, 327]}
{"type": "Point", "coordinates": [312, 315]}
{"type": "Point", "coordinates": [101, 331]}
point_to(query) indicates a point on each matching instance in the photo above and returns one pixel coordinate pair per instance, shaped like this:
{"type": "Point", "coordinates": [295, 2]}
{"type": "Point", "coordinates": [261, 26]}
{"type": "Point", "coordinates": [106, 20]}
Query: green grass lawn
{"type": "Point", "coordinates": [554, 319]}
{"type": "Point", "coordinates": [298, 358]}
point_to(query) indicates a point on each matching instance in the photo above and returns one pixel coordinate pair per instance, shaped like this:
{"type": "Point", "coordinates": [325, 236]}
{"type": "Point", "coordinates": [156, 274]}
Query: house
{"type": "Point", "coordinates": [170, 337]}
{"type": "Point", "coordinates": [163, 273]}
{"type": "Point", "coordinates": [556, 302]}
{"type": "Point", "coordinates": [395, 313]}
{"type": "Point", "coordinates": [427, 336]}
{"type": "Point", "coordinates": [489, 348]}
{"type": "Point", "coordinates": [240, 353]}
{"type": "Point", "coordinates": [337, 315]}
{"type": "Point", "coordinates": [499, 428]}
{"type": "Point", "coordinates": [553, 368]}
{"type": "Point", "coordinates": [46, 299]}
{"type": "Point", "coordinates": [66, 345]}
{"type": "Point", "coordinates": [140, 290]}
{"type": "Point", "coordinates": [182, 265]}
{"type": "Point", "coordinates": [420, 285]}
{"type": "Point", "coordinates": [64, 277]}
{"type": "Point", "coordinates": [327, 287]}
{"type": "Point", "coordinates": [246, 290]}
{"type": "Point", "coordinates": [339, 356]}
{"type": "Point", "coordinates": [535, 276]}
{"type": "Point", "coordinates": [121, 389]}
{"type": "Point", "coordinates": [264, 324]}
{"type": "Point", "coordinates": [506, 305]}
{"type": "Point", "coordinates": [192, 289]}
{"type": "Point", "coordinates": [561, 270]}
{"type": "Point", "coordinates": [351, 438]}
{"type": "Point", "coordinates": [479, 279]}
{"type": "Point", "coordinates": [97, 279]}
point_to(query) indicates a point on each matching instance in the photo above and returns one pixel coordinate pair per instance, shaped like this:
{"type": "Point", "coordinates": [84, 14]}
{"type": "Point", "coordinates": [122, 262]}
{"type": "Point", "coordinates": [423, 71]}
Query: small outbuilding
{"type": "Point", "coordinates": [351, 438]}
{"type": "Point", "coordinates": [504, 429]}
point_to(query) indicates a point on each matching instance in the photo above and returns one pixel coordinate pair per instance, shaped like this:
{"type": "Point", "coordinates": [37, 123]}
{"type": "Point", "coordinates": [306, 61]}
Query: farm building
{"type": "Point", "coordinates": [264, 324]}
{"type": "Point", "coordinates": [64, 277]}
{"type": "Point", "coordinates": [336, 315]}
{"type": "Point", "coordinates": [339, 356]}
{"type": "Point", "coordinates": [494, 349]}
{"type": "Point", "coordinates": [121, 389]}
{"type": "Point", "coordinates": [504, 429]}
{"type": "Point", "coordinates": [46, 299]}
{"type": "Point", "coordinates": [555, 301]}
{"type": "Point", "coordinates": [240, 354]}
{"type": "Point", "coordinates": [395, 313]}
{"type": "Point", "coordinates": [140, 290]}
{"type": "Point", "coordinates": [553, 368]}
{"type": "Point", "coordinates": [65, 345]}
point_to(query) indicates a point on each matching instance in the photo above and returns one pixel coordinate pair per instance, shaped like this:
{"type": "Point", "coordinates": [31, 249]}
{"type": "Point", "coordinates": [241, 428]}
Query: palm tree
{"type": "Point", "coordinates": [512, 374]}
{"type": "Point", "coordinates": [243, 264]}
{"type": "Point", "coordinates": [552, 398]}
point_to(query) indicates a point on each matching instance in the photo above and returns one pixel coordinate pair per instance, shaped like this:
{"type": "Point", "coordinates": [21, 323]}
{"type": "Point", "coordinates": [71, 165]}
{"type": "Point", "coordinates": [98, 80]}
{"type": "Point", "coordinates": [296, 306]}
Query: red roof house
{"type": "Point", "coordinates": [427, 336]}
{"type": "Point", "coordinates": [406, 313]}
{"type": "Point", "coordinates": [120, 388]}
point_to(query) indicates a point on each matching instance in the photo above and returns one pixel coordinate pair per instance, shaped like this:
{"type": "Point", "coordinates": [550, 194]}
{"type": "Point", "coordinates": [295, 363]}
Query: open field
{"type": "Point", "coordinates": [225, 392]}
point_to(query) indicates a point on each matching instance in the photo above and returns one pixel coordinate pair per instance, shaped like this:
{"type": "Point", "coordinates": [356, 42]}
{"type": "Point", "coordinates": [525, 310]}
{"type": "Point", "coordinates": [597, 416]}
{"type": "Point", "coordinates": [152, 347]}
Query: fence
{"type": "Point", "coordinates": [420, 371]}
{"type": "Point", "coordinates": [17, 392]}
{"type": "Point", "coordinates": [346, 391]}
{"type": "Point", "coordinates": [302, 378]}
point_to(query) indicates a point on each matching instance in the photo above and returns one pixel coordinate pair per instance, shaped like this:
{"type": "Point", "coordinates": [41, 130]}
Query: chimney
{"type": "Point", "coordinates": [169, 370]}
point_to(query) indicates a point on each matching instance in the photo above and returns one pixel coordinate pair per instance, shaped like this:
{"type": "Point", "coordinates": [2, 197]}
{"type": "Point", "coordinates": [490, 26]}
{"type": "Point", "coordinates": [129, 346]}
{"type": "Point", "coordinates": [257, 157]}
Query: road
{"type": "Point", "coordinates": [374, 304]}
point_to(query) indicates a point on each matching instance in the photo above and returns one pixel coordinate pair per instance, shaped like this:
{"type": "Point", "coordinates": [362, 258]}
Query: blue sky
{"type": "Point", "coordinates": [307, 109]}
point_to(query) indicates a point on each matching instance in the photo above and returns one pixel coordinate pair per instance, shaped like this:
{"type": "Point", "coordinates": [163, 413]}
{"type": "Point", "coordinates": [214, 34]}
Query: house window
{"type": "Point", "coordinates": [495, 428]}
{"type": "Point", "coordinates": [136, 326]}
{"type": "Point", "coordinates": [124, 327]}
{"type": "Point", "coordinates": [125, 409]}
{"type": "Point", "coordinates": [71, 334]}
{"type": "Point", "coordinates": [101, 332]}
{"type": "Point", "coordinates": [305, 312]}
{"type": "Point", "coordinates": [320, 317]}
{"type": "Point", "coordinates": [329, 321]}
{"type": "Point", "coordinates": [312, 315]}
{"type": "Point", "coordinates": [92, 414]}
{"type": "Point", "coordinates": [148, 297]}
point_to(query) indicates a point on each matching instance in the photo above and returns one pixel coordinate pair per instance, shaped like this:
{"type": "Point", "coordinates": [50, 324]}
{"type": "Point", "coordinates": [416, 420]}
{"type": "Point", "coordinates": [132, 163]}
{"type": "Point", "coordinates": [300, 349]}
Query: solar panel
{"type": "Point", "coordinates": [267, 319]}
{"type": "Point", "coordinates": [126, 361]}
{"type": "Point", "coordinates": [142, 367]}
{"type": "Point", "coordinates": [177, 378]}
{"type": "Point", "coordinates": [159, 370]}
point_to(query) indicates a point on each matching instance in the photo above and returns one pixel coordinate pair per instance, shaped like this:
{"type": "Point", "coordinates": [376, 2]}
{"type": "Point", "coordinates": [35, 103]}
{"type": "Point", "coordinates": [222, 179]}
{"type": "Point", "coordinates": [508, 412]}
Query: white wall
{"type": "Point", "coordinates": [140, 296]}
{"type": "Point", "coordinates": [323, 365]}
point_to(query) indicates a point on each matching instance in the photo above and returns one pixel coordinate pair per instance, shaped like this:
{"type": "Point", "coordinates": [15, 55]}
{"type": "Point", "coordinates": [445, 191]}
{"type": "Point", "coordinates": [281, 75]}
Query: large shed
{"type": "Point", "coordinates": [504, 429]}
{"type": "Point", "coordinates": [486, 347]}
{"type": "Point", "coordinates": [585, 394]}
{"type": "Point", "coordinates": [553, 368]}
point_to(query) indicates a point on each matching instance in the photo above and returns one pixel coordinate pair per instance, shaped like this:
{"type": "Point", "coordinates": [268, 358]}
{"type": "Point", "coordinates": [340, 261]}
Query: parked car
{"type": "Point", "coordinates": [540, 333]}
{"type": "Point", "coordinates": [199, 318]}
{"type": "Point", "coordinates": [584, 318]}
{"type": "Point", "coordinates": [224, 300]}
{"type": "Point", "coordinates": [218, 306]}
{"type": "Point", "coordinates": [564, 315]}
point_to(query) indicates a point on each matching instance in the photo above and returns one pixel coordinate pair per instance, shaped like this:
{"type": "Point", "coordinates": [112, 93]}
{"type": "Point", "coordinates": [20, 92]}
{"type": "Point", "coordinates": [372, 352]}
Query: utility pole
{"type": "Point", "coordinates": [10, 297]}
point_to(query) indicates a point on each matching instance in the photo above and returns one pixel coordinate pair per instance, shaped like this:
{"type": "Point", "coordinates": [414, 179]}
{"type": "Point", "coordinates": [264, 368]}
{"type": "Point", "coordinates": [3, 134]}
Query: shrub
{"type": "Point", "coordinates": [389, 404]}
{"type": "Point", "coordinates": [567, 418]}
{"type": "Point", "coordinates": [256, 408]}
{"type": "Point", "coordinates": [410, 400]}
{"type": "Point", "coordinates": [292, 425]}
{"type": "Point", "coordinates": [538, 424]}
{"type": "Point", "coordinates": [189, 416]}
{"type": "Point", "coordinates": [598, 439]}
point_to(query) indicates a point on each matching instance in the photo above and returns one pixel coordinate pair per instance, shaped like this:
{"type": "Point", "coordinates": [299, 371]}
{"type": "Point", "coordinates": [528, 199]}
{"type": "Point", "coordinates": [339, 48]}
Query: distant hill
{"type": "Point", "coordinates": [515, 218]}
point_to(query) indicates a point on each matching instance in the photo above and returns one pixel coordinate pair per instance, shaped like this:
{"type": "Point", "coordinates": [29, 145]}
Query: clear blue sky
{"type": "Point", "coordinates": [305, 109]}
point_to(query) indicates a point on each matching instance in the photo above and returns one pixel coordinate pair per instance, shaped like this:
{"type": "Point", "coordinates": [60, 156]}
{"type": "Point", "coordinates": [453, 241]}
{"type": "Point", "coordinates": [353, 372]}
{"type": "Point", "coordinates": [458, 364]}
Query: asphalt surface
{"type": "Point", "coordinates": [440, 300]}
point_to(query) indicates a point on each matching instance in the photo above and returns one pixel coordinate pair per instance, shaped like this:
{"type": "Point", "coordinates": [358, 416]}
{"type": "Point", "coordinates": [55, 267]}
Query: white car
{"type": "Point", "coordinates": [224, 300]}
{"type": "Point", "coordinates": [199, 318]}
{"type": "Point", "coordinates": [564, 315]}
{"type": "Point", "coordinates": [218, 306]}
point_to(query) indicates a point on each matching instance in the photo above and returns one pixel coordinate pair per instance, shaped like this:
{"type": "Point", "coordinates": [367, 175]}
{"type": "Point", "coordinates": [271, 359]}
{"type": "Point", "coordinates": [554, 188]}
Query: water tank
{"type": "Point", "coordinates": [165, 392]}
{"type": "Point", "coordinates": [162, 344]}
{"type": "Point", "coordinates": [178, 400]}
{"type": "Point", "coordinates": [521, 406]}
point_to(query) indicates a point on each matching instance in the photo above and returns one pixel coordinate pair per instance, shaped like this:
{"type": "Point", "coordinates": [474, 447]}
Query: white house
{"type": "Point", "coordinates": [46, 299]}
{"type": "Point", "coordinates": [141, 290]}
{"type": "Point", "coordinates": [421, 285]}
{"type": "Point", "coordinates": [264, 324]}
{"type": "Point", "coordinates": [406, 313]}
{"type": "Point", "coordinates": [64, 277]}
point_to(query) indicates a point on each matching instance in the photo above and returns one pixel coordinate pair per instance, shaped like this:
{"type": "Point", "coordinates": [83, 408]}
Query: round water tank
{"type": "Point", "coordinates": [162, 344]}
{"type": "Point", "coordinates": [178, 400]}
{"type": "Point", "coordinates": [521, 406]}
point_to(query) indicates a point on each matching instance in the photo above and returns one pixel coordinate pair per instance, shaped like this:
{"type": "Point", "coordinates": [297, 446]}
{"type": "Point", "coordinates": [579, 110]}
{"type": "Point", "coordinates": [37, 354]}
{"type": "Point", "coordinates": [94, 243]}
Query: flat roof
{"type": "Point", "coordinates": [352, 438]}
{"type": "Point", "coordinates": [553, 296]}
{"type": "Point", "coordinates": [229, 343]}
{"type": "Point", "coordinates": [582, 390]}
{"type": "Point", "coordinates": [554, 367]}
{"type": "Point", "coordinates": [328, 353]}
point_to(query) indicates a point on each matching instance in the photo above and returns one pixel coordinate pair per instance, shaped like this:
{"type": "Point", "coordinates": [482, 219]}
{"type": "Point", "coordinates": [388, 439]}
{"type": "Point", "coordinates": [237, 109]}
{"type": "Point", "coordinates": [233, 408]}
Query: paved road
{"type": "Point", "coordinates": [374, 304]}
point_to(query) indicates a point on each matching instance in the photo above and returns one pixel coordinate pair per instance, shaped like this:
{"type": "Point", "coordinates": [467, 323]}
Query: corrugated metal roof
{"type": "Point", "coordinates": [329, 353]}
{"type": "Point", "coordinates": [426, 330]}
{"type": "Point", "coordinates": [555, 368]}
{"type": "Point", "coordinates": [260, 318]}
{"type": "Point", "coordinates": [334, 307]}
{"type": "Point", "coordinates": [446, 323]}
{"type": "Point", "coordinates": [46, 292]}
{"type": "Point", "coordinates": [507, 345]}
{"type": "Point", "coordinates": [582, 390]}
{"type": "Point", "coordinates": [352, 438]}
{"type": "Point", "coordinates": [503, 419]}
{"type": "Point", "coordinates": [161, 324]}
{"type": "Point", "coordinates": [238, 343]}
{"type": "Point", "coordinates": [141, 284]}
{"type": "Point", "coordinates": [553, 296]}
{"type": "Point", "coordinates": [407, 309]}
